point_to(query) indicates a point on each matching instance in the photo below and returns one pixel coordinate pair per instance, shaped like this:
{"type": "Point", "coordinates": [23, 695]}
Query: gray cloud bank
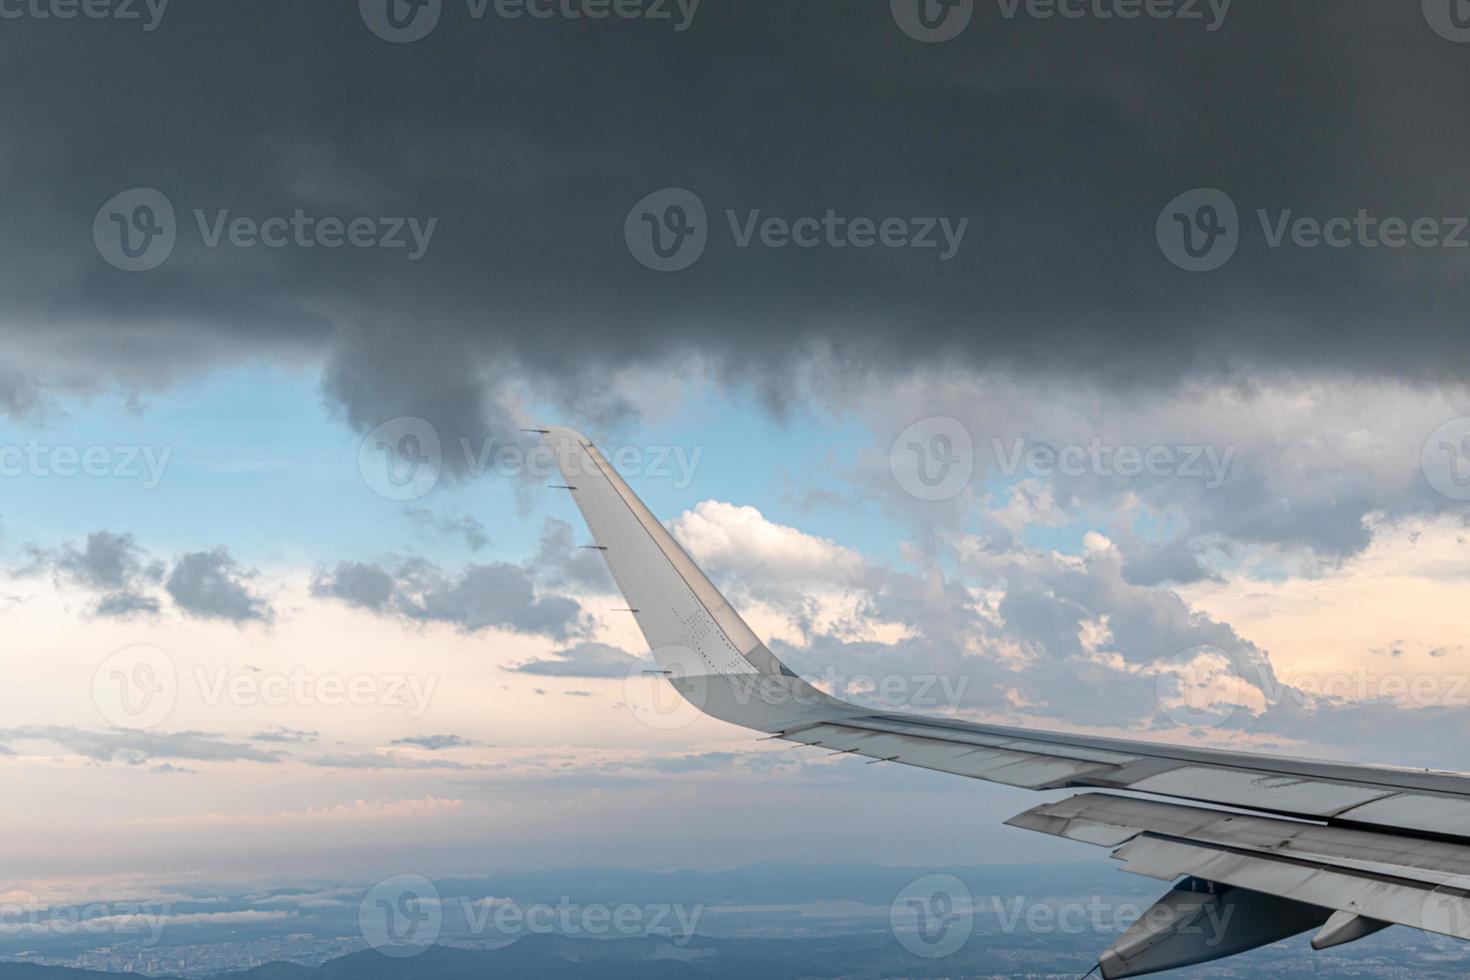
{"type": "Point", "coordinates": [531, 140]}
{"type": "Point", "coordinates": [479, 597]}
{"type": "Point", "coordinates": [125, 581]}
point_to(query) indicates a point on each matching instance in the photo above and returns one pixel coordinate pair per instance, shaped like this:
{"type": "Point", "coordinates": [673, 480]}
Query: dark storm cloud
{"type": "Point", "coordinates": [530, 141]}
{"type": "Point", "coordinates": [494, 596]}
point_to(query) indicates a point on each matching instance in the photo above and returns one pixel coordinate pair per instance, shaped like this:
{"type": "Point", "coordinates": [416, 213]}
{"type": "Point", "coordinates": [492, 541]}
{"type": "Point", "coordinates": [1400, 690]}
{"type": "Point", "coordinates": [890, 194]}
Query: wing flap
{"type": "Point", "coordinates": [1279, 793]}
{"type": "Point", "coordinates": [1418, 906]}
{"type": "Point", "coordinates": [1434, 814]}
{"type": "Point", "coordinates": [1393, 879]}
{"type": "Point", "coordinates": [1432, 861]}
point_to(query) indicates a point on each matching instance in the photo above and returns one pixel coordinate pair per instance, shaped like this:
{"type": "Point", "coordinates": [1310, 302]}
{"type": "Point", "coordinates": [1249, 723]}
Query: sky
{"type": "Point", "coordinates": [1088, 372]}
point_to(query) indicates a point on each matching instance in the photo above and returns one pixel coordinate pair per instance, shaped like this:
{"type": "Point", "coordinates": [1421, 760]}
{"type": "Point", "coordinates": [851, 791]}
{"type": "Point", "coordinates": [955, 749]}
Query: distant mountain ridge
{"type": "Point", "coordinates": [549, 957]}
{"type": "Point", "coordinates": [862, 955]}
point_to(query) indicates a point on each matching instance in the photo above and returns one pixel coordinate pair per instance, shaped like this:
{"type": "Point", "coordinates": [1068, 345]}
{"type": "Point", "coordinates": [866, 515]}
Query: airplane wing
{"type": "Point", "coordinates": [1345, 849]}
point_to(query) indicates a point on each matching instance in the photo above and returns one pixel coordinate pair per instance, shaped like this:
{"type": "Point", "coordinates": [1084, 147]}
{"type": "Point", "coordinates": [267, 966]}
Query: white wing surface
{"type": "Point", "coordinates": [1345, 849]}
